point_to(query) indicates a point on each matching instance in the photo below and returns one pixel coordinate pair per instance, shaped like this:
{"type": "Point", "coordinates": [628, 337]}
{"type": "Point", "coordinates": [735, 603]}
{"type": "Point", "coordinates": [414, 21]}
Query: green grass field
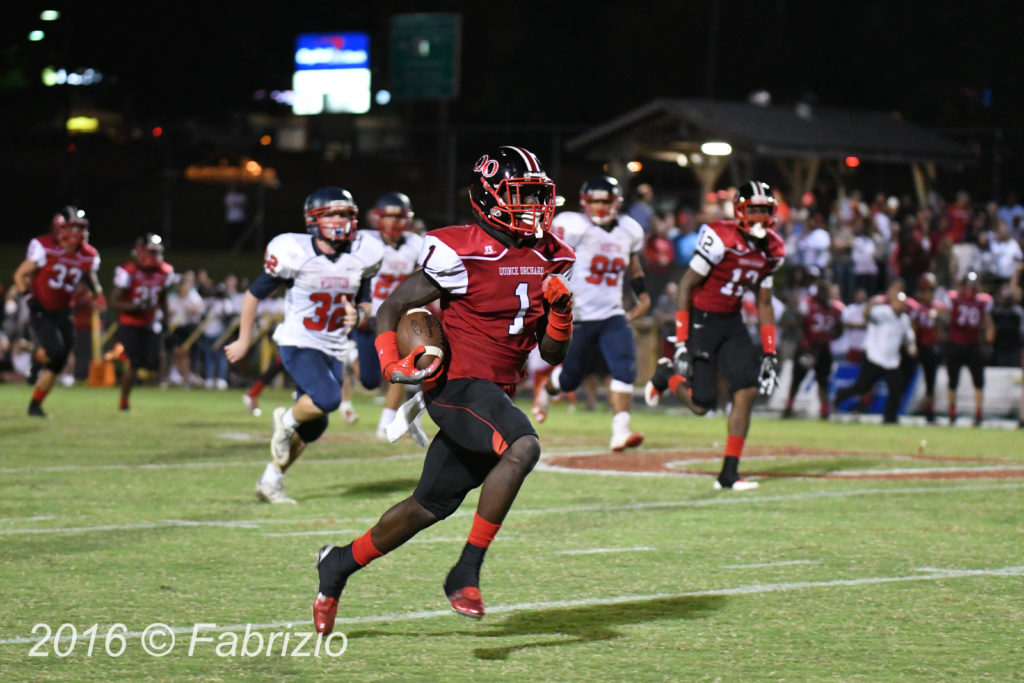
{"type": "Point", "coordinates": [149, 517]}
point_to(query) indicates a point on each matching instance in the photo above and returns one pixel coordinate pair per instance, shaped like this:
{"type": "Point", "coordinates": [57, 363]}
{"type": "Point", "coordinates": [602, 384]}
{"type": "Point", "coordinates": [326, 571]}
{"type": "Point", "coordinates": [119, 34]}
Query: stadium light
{"type": "Point", "coordinates": [49, 15]}
{"type": "Point", "coordinates": [716, 149]}
{"type": "Point", "coordinates": [635, 166]}
{"type": "Point", "coordinates": [36, 36]}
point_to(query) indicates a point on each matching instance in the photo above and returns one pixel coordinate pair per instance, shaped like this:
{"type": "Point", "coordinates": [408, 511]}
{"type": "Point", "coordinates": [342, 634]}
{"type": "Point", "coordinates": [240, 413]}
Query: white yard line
{"type": "Point", "coordinates": [752, 589]}
{"type": "Point", "coordinates": [759, 565]}
{"type": "Point", "coordinates": [596, 551]}
{"type": "Point", "coordinates": [29, 469]}
{"type": "Point", "coordinates": [725, 498]}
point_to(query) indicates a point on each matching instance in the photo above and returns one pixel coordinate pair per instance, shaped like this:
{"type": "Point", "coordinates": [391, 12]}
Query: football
{"type": "Point", "coordinates": [420, 327]}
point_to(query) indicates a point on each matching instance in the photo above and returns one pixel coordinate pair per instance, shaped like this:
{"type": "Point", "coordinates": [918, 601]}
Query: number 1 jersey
{"type": "Point", "coordinates": [494, 297]}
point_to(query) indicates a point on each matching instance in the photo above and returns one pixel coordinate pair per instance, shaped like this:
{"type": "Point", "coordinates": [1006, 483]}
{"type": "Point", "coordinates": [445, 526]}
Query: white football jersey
{"type": "Point", "coordinates": [397, 264]}
{"type": "Point", "coordinates": [314, 305]}
{"type": "Point", "coordinates": [602, 261]}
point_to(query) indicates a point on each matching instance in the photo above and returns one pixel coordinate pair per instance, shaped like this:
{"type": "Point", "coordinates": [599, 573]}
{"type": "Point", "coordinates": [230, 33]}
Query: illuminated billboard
{"type": "Point", "coordinates": [332, 73]}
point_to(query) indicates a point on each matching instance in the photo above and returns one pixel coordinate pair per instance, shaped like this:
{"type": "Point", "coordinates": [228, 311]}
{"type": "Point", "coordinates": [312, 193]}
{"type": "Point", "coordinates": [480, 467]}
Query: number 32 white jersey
{"type": "Point", "coordinates": [602, 261]}
{"type": "Point", "coordinates": [314, 306]}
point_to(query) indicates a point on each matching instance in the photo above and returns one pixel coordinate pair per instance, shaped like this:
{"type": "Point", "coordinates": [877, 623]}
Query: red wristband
{"type": "Point", "coordinates": [559, 326]}
{"type": "Point", "coordinates": [674, 381]}
{"type": "Point", "coordinates": [682, 326]}
{"type": "Point", "coordinates": [768, 338]}
{"type": "Point", "coordinates": [387, 349]}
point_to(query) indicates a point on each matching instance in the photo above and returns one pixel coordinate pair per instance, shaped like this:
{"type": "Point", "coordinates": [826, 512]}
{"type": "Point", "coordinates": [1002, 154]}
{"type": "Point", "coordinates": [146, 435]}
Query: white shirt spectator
{"type": "Point", "coordinates": [967, 257]}
{"type": "Point", "coordinates": [887, 332]}
{"type": "Point", "coordinates": [852, 338]}
{"type": "Point", "coordinates": [814, 250]}
{"type": "Point", "coordinates": [1006, 257]}
{"type": "Point", "coordinates": [863, 256]}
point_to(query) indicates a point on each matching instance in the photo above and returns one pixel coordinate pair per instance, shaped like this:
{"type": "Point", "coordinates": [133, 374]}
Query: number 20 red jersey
{"type": "Point", "coordinates": [966, 315]}
{"type": "Point", "coordinates": [732, 265]}
{"type": "Point", "coordinates": [495, 300]}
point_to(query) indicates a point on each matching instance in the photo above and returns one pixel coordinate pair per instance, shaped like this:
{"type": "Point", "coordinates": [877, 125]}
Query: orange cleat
{"type": "Point", "coordinates": [467, 602]}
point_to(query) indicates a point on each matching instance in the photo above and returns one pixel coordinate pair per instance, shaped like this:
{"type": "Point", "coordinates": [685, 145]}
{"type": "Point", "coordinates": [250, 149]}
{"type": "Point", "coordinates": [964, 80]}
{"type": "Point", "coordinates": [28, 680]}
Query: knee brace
{"type": "Point", "coordinates": [312, 430]}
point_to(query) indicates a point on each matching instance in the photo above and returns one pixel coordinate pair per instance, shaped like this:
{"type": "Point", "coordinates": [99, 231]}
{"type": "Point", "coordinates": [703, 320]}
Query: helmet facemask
{"type": "Point", "coordinates": [601, 206]}
{"type": "Point", "coordinates": [335, 222]}
{"type": "Point", "coordinates": [755, 218]}
{"type": "Point", "coordinates": [392, 221]}
{"type": "Point", "coordinates": [523, 206]}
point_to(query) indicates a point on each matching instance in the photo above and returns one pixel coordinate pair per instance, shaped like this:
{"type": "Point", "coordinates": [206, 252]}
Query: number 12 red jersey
{"type": "Point", "coordinates": [732, 263]}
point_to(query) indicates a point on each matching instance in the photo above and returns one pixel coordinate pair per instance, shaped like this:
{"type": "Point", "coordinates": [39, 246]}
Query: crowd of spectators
{"type": "Point", "coordinates": [860, 246]}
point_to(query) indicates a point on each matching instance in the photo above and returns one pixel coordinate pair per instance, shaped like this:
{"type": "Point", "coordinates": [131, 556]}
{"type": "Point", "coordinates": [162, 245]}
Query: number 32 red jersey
{"type": "Point", "coordinates": [732, 264]}
{"type": "Point", "coordinates": [495, 297]}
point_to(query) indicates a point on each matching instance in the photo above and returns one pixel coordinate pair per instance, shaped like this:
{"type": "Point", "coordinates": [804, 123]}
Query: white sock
{"type": "Point", "coordinates": [620, 422]}
{"type": "Point", "coordinates": [386, 416]}
{"type": "Point", "coordinates": [289, 421]}
{"type": "Point", "coordinates": [273, 474]}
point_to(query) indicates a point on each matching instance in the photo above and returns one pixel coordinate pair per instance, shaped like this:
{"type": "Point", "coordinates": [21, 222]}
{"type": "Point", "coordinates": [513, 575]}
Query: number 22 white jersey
{"type": "Point", "coordinates": [602, 261]}
{"type": "Point", "coordinates": [397, 264]}
{"type": "Point", "coordinates": [314, 306]}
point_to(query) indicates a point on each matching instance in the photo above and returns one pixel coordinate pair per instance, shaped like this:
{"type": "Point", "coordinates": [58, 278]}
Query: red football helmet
{"type": "Point", "coordinates": [392, 215]}
{"type": "Point", "coordinates": [754, 208]}
{"type": "Point", "coordinates": [149, 251]}
{"type": "Point", "coordinates": [331, 213]}
{"type": "Point", "coordinates": [511, 192]}
{"type": "Point", "coordinates": [601, 198]}
{"type": "Point", "coordinates": [70, 227]}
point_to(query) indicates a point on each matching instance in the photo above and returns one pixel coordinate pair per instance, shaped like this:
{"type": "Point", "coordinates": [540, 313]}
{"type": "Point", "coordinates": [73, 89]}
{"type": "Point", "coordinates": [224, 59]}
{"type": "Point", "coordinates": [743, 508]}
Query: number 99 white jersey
{"type": "Point", "coordinates": [602, 262]}
{"type": "Point", "coordinates": [314, 306]}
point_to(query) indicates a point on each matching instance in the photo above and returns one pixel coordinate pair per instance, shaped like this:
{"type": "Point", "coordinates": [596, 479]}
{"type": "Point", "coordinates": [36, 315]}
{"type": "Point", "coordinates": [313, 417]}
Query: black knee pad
{"type": "Point", "coordinates": [312, 430]}
{"type": "Point", "coordinates": [56, 363]}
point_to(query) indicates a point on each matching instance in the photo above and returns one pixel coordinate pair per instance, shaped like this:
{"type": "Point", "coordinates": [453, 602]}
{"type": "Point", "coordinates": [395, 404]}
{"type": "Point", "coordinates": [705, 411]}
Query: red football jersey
{"type": "Point", "coordinates": [923, 317]}
{"type": "Point", "coordinates": [141, 286]}
{"type": "Point", "coordinates": [820, 323]}
{"type": "Point", "coordinates": [495, 305]}
{"type": "Point", "coordinates": [59, 271]}
{"type": "Point", "coordinates": [966, 315]}
{"type": "Point", "coordinates": [732, 264]}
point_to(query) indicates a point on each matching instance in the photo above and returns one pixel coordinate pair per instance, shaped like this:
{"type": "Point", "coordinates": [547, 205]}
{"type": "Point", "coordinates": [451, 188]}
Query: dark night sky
{"type": "Point", "coordinates": [565, 63]}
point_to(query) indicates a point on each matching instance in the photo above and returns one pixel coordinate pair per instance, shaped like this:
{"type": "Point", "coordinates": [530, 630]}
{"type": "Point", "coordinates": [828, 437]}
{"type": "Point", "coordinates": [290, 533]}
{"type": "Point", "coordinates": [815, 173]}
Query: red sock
{"type": "Point", "coordinates": [734, 446]}
{"type": "Point", "coordinates": [256, 389]}
{"type": "Point", "coordinates": [364, 551]}
{"type": "Point", "coordinates": [483, 532]}
{"type": "Point", "coordinates": [38, 395]}
{"type": "Point", "coordinates": [124, 403]}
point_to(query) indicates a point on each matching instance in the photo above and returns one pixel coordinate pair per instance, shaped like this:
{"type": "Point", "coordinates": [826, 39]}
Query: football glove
{"type": "Point", "coordinates": [557, 293]}
{"type": "Point", "coordinates": [768, 377]}
{"type": "Point", "coordinates": [404, 370]}
{"type": "Point", "coordinates": [683, 361]}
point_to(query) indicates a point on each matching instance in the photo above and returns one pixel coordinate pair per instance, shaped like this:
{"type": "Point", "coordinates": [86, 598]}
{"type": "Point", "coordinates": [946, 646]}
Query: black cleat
{"type": "Point", "coordinates": [658, 384]}
{"type": "Point", "coordinates": [35, 409]}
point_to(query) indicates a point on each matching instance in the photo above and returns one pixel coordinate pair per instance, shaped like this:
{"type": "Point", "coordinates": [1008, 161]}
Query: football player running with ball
{"type": "Point", "coordinates": [608, 249]}
{"type": "Point", "coordinates": [327, 272]}
{"type": "Point", "coordinates": [502, 291]}
{"type": "Point", "coordinates": [731, 256]}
